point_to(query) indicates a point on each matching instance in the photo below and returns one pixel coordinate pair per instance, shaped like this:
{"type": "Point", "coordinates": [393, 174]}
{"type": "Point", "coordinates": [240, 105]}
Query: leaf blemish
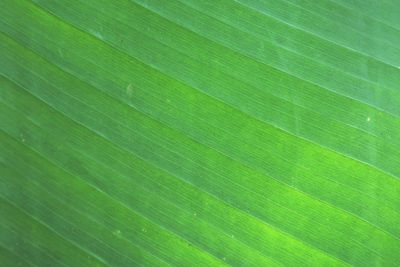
{"type": "Point", "coordinates": [129, 90]}
{"type": "Point", "coordinates": [117, 232]}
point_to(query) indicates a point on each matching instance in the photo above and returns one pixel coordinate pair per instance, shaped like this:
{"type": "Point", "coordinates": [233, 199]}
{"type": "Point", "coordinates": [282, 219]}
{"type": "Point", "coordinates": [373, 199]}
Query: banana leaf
{"type": "Point", "coordinates": [199, 133]}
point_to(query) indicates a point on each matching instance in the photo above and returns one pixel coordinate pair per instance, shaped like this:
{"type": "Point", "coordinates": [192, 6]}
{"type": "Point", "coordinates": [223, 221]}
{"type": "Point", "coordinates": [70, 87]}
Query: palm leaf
{"type": "Point", "coordinates": [200, 133]}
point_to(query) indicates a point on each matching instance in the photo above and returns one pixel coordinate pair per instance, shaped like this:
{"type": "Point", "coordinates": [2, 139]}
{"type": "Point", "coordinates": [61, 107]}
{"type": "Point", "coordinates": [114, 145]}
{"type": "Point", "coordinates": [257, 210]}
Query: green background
{"type": "Point", "coordinates": [199, 133]}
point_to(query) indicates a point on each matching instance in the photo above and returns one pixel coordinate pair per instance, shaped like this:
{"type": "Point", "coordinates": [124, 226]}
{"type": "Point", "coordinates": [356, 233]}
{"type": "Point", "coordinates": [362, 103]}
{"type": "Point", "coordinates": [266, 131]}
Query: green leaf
{"type": "Point", "coordinates": [199, 133]}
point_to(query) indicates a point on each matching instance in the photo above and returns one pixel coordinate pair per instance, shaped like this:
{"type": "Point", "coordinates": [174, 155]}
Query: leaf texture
{"type": "Point", "coordinates": [199, 133]}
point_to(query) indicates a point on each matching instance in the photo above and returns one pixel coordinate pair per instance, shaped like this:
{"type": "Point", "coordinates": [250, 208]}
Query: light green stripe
{"type": "Point", "coordinates": [129, 134]}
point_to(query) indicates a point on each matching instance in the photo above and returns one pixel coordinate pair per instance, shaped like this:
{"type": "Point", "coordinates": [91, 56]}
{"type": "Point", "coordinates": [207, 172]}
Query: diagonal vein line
{"type": "Point", "coordinates": [229, 133]}
{"type": "Point", "coordinates": [25, 260]}
{"type": "Point", "coordinates": [249, 214]}
{"type": "Point", "coordinates": [264, 150]}
{"type": "Point", "coordinates": [238, 52]}
{"type": "Point", "coordinates": [378, 138]}
{"type": "Point", "coordinates": [234, 107]}
{"type": "Point", "coordinates": [32, 244]}
{"type": "Point", "coordinates": [155, 166]}
{"type": "Point", "coordinates": [247, 84]}
{"type": "Point", "coordinates": [226, 132]}
{"type": "Point", "coordinates": [63, 218]}
{"type": "Point", "coordinates": [263, 173]}
{"type": "Point", "coordinates": [278, 127]}
{"type": "Point", "coordinates": [50, 229]}
{"type": "Point", "coordinates": [100, 191]}
{"type": "Point", "coordinates": [168, 189]}
{"type": "Point", "coordinates": [262, 38]}
{"type": "Point", "coordinates": [129, 152]}
{"type": "Point", "coordinates": [225, 103]}
{"type": "Point", "coordinates": [241, 186]}
{"type": "Point", "coordinates": [365, 15]}
{"type": "Point", "coordinates": [235, 51]}
{"type": "Point", "coordinates": [121, 202]}
{"type": "Point", "coordinates": [345, 25]}
{"type": "Point", "coordinates": [182, 133]}
{"type": "Point", "coordinates": [56, 196]}
{"type": "Point", "coordinates": [291, 186]}
{"type": "Point", "coordinates": [311, 33]}
{"type": "Point", "coordinates": [275, 45]}
{"type": "Point", "coordinates": [348, 26]}
{"type": "Point", "coordinates": [146, 177]}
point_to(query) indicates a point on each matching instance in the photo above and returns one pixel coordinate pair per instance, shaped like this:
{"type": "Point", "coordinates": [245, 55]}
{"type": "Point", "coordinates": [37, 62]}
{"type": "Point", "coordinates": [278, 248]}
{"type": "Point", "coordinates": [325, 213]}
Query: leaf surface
{"type": "Point", "coordinates": [199, 133]}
